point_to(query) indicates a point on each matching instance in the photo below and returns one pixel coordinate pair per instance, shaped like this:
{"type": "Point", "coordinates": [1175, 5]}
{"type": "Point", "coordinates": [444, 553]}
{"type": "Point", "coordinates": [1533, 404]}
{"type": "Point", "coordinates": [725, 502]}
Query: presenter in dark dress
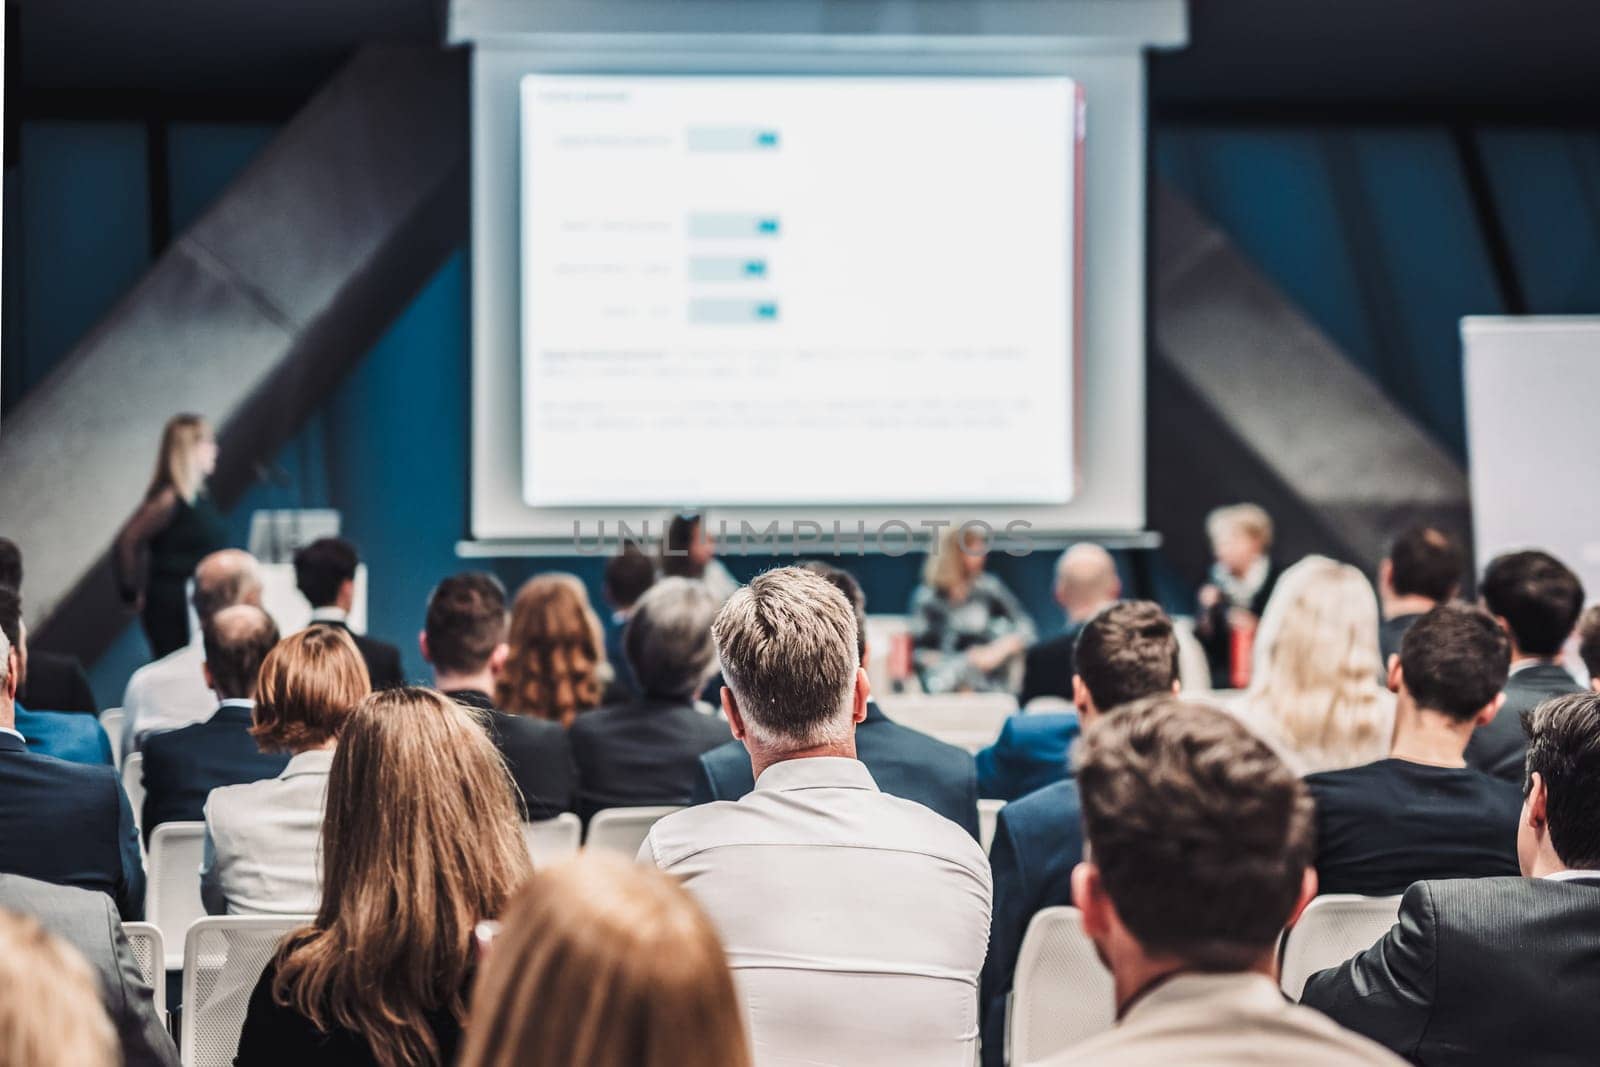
{"type": "Point", "coordinates": [173, 529]}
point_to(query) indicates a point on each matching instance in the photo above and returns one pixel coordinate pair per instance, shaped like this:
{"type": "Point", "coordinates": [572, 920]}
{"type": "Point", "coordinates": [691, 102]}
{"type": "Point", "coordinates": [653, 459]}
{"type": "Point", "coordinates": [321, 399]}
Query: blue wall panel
{"type": "Point", "coordinates": [1547, 189]}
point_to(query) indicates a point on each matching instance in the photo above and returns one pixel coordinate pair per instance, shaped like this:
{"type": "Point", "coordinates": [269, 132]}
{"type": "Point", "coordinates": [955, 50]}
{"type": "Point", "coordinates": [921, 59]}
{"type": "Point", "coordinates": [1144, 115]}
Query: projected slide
{"type": "Point", "coordinates": [743, 290]}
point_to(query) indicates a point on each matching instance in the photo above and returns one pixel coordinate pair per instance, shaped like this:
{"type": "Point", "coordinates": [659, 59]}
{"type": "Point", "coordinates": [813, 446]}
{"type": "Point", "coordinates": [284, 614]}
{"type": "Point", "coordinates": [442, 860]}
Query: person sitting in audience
{"type": "Point", "coordinates": [628, 574]}
{"type": "Point", "coordinates": [605, 963]}
{"type": "Point", "coordinates": [64, 735]}
{"type": "Point", "coordinates": [261, 837]}
{"type": "Point", "coordinates": [66, 823]}
{"type": "Point", "coordinates": [1315, 692]}
{"type": "Point", "coordinates": [420, 844]}
{"type": "Point", "coordinates": [1199, 854]}
{"type": "Point", "coordinates": [687, 551]}
{"type": "Point", "coordinates": [1422, 571]}
{"type": "Point", "coordinates": [1237, 591]}
{"type": "Point", "coordinates": [1086, 582]}
{"type": "Point", "coordinates": [1537, 599]}
{"type": "Point", "coordinates": [647, 750]}
{"type": "Point", "coordinates": [325, 572]}
{"type": "Point", "coordinates": [1126, 653]}
{"type": "Point", "coordinates": [1494, 971]}
{"type": "Point", "coordinates": [903, 762]}
{"type": "Point", "coordinates": [557, 664]}
{"type": "Point", "coordinates": [784, 872]}
{"type": "Point", "coordinates": [173, 691]}
{"type": "Point", "coordinates": [967, 629]}
{"type": "Point", "coordinates": [88, 922]}
{"type": "Point", "coordinates": [1423, 813]}
{"type": "Point", "coordinates": [464, 640]}
{"type": "Point", "coordinates": [50, 1011]}
{"type": "Point", "coordinates": [182, 767]}
{"type": "Point", "coordinates": [55, 682]}
{"type": "Point", "coordinates": [1589, 645]}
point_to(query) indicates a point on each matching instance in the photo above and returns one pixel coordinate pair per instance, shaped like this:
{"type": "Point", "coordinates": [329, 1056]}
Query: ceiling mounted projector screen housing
{"type": "Point", "coordinates": [783, 291]}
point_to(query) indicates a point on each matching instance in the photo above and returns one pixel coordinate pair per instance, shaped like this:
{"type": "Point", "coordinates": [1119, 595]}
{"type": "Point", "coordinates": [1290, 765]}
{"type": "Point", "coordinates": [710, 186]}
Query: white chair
{"type": "Point", "coordinates": [967, 720]}
{"type": "Point", "coordinates": [148, 952]}
{"type": "Point", "coordinates": [624, 829]}
{"type": "Point", "coordinates": [111, 721]}
{"type": "Point", "coordinates": [223, 957]}
{"type": "Point", "coordinates": [1332, 929]}
{"type": "Point", "coordinates": [1063, 994]}
{"type": "Point", "coordinates": [133, 784]}
{"type": "Point", "coordinates": [172, 893]}
{"type": "Point", "coordinates": [988, 820]}
{"type": "Point", "coordinates": [1049, 704]}
{"type": "Point", "coordinates": [552, 840]}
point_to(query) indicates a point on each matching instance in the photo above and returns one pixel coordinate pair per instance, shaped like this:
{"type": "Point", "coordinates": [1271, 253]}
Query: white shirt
{"type": "Point", "coordinates": [263, 841]}
{"type": "Point", "coordinates": [855, 922]}
{"type": "Point", "coordinates": [14, 733]}
{"type": "Point", "coordinates": [165, 695]}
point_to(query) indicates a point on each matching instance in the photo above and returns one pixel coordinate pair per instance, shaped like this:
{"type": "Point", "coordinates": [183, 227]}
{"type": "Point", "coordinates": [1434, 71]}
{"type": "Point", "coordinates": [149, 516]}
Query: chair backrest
{"type": "Point", "coordinates": [133, 783]}
{"type": "Point", "coordinates": [624, 829]}
{"type": "Point", "coordinates": [151, 956]}
{"type": "Point", "coordinates": [172, 894]}
{"type": "Point", "coordinates": [552, 840]}
{"type": "Point", "coordinates": [967, 720]}
{"type": "Point", "coordinates": [1331, 930]}
{"type": "Point", "coordinates": [1049, 704]}
{"type": "Point", "coordinates": [988, 819]}
{"type": "Point", "coordinates": [1063, 994]}
{"type": "Point", "coordinates": [223, 957]}
{"type": "Point", "coordinates": [111, 721]}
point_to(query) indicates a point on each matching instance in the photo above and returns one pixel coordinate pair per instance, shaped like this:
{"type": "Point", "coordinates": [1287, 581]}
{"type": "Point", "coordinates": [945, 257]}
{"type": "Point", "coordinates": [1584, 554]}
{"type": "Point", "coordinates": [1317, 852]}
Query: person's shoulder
{"type": "Point", "coordinates": [1046, 802]}
{"type": "Point", "coordinates": [924, 747]}
{"type": "Point", "coordinates": [1351, 781]}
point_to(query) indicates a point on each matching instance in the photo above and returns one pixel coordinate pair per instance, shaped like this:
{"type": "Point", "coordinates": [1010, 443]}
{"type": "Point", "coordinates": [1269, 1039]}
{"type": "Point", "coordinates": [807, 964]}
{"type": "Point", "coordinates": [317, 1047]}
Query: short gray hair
{"type": "Point", "coordinates": [668, 639]}
{"type": "Point", "coordinates": [788, 647]}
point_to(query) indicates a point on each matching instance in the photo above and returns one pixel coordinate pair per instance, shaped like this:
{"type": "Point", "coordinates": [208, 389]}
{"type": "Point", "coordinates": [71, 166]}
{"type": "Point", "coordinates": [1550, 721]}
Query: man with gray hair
{"type": "Point", "coordinates": [855, 921]}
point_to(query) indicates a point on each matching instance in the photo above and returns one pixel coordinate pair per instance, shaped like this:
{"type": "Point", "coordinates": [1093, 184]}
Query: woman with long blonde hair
{"type": "Point", "coordinates": [51, 1012]}
{"type": "Point", "coordinates": [557, 665]}
{"type": "Point", "coordinates": [967, 629]}
{"type": "Point", "coordinates": [173, 529]}
{"type": "Point", "coordinates": [420, 843]}
{"type": "Point", "coordinates": [605, 963]}
{"type": "Point", "coordinates": [1314, 687]}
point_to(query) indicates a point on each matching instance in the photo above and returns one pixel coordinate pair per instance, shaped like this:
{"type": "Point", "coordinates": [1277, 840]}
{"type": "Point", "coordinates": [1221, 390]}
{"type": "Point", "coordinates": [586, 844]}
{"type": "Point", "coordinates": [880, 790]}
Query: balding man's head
{"type": "Point", "coordinates": [224, 579]}
{"type": "Point", "coordinates": [1086, 581]}
{"type": "Point", "coordinates": [237, 639]}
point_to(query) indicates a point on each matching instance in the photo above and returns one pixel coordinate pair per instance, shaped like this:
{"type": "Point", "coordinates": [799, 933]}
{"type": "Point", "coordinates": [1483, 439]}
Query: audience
{"type": "Point", "coordinates": [464, 641]}
{"type": "Point", "coordinates": [55, 682]}
{"type": "Point", "coordinates": [261, 837]}
{"type": "Point", "coordinates": [557, 663]}
{"type": "Point", "coordinates": [1496, 971]}
{"type": "Point", "coordinates": [854, 920]}
{"type": "Point", "coordinates": [1086, 582]}
{"type": "Point", "coordinates": [182, 767]}
{"type": "Point", "coordinates": [628, 574]}
{"type": "Point", "coordinates": [50, 1012]}
{"type": "Point", "coordinates": [420, 844]}
{"type": "Point", "coordinates": [1236, 592]}
{"type": "Point", "coordinates": [64, 735]}
{"type": "Point", "coordinates": [173, 691]}
{"type": "Point", "coordinates": [605, 963]}
{"type": "Point", "coordinates": [903, 762]}
{"type": "Point", "coordinates": [88, 922]}
{"type": "Point", "coordinates": [1315, 692]}
{"type": "Point", "coordinates": [1423, 570]}
{"type": "Point", "coordinates": [1126, 653]}
{"type": "Point", "coordinates": [1199, 853]}
{"type": "Point", "coordinates": [687, 551]}
{"type": "Point", "coordinates": [325, 573]}
{"type": "Point", "coordinates": [66, 823]}
{"type": "Point", "coordinates": [1537, 599]}
{"type": "Point", "coordinates": [647, 750]}
{"type": "Point", "coordinates": [1423, 813]}
{"type": "Point", "coordinates": [967, 629]}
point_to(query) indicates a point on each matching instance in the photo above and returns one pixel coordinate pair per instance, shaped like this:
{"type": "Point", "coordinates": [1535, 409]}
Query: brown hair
{"type": "Point", "coordinates": [466, 621]}
{"type": "Point", "coordinates": [605, 963]}
{"type": "Point", "coordinates": [175, 465]}
{"type": "Point", "coordinates": [1126, 652]}
{"type": "Point", "coordinates": [558, 662]}
{"type": "Point", "coordinates": [51, 1014]}
{"type": "Point", "coordinates": [420, 842]}
{"type": "Point", "coordinates": [1200, 833]}
{"type": "Point", "coordinates": [308, 685]}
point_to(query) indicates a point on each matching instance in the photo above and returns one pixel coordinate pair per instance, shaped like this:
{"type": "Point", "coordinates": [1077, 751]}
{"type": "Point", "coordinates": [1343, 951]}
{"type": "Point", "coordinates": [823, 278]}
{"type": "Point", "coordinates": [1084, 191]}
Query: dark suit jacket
{"type": "Point", "coordinates": [644, 752]}
{"type": "Point", "coordinates": [182, 767]}
{"type": "Point", "coordinates": [1030, 753]}
{"type": "Point", "coordinates": [1488, 971]}
{"type": "Point", "coordinates": [382, 658]}
{"type": "Point", "coordinates": [89, 923]}
{"type": "Point", "coordinates": [1215, 633]}
{"type": "Point", "coordinates": [65, 735]}
{"type": "Point", "coordinates": [56, 683]}
{"type": "Point", "coordinates": [1501, 748]}
{"type": "Point", "coordinates": [1037, 842]}
{"type": "Point", "coordinates": [904, 762]}
{"type": "Point", "coordinates": [1047, 668]}
{"type": "Point", "coordinates": [1391, 632]}
{"type": "Point", "coordinates": [70, 824]}
{"type": "Point", "coordinates": [536, 752]}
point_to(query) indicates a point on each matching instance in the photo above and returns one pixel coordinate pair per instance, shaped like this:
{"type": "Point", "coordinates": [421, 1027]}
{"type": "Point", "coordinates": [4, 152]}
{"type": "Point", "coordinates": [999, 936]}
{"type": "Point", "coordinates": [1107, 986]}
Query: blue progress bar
{"type": "Point", "coordinates": [727, 269]}
{"type": "Point", "coordinates": [712, 225]}
{"type": "Point", "coordinates": [732, 139]}
{"type": "Point", "coordinates": [732, 312]}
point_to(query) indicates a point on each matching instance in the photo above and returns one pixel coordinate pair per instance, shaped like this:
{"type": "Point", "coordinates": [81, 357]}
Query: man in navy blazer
{"type": "Point", "coordinates": [66, 823]}
{"type": "Point", "coordinates": [1126, 653]}
{"type": "Point", "coordinates": [904, 762]}
{"type": "Point", "coordinates": [182, 767]}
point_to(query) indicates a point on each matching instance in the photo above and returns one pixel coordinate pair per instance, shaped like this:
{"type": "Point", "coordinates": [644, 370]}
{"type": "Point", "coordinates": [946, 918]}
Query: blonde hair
{"type": "Point", "coordinates": [50, 1009]}
{"type": "Point", "coordinates": [945, 569]}
{"type": "Point", "coordinates": [307, 686]}
{"type": "Point", "coordinates": [1314, 683]}
{"type": "Point", "coordinates": [1248, 519]}
{"type": "Point", "coordinates": [421, 842]}
{"type": "Point", "coordinates": [605, 963]}
{"type": "Point", "coordinates": [176, 466]}
{"type": "Point", "coordinates": [557, 665]}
